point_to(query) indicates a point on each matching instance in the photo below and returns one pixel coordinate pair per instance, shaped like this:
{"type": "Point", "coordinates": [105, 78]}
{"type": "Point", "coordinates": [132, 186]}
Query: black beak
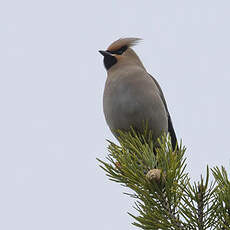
{"type": "Point", "coordinates": [105, 53]}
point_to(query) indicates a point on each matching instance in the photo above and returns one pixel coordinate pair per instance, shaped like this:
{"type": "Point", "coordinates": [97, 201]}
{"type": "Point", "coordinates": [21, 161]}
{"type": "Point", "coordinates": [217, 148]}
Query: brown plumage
{"type": "Point", "coordinates": [129, 42]}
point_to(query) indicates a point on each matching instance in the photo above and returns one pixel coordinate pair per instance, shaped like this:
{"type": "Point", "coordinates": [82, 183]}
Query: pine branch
{"type": "Point", "coordinates": [165, 197]}
{"type": "Point", "coordinates": [222, 195]}
{"type": "Point", "coordinates": [200, 202]}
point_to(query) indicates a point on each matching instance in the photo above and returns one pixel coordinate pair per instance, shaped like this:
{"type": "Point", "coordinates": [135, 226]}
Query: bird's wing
{"type": "Point", "coordinates": [170, 125]}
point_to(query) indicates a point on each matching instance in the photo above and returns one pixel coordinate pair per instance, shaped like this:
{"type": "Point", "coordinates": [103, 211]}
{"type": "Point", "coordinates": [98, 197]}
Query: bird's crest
{"type": "Point", "coordinates": [129, 42]}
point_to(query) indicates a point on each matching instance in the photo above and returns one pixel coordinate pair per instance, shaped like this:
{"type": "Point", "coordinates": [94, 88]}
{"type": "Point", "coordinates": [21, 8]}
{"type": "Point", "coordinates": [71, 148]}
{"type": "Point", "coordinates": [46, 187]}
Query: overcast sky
{"type": "Point", "coordinates": [52, 126]}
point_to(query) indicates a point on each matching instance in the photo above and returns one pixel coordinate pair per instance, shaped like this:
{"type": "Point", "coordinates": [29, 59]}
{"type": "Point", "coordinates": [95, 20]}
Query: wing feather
{"type": "Point", "coordinates": [170, 125]}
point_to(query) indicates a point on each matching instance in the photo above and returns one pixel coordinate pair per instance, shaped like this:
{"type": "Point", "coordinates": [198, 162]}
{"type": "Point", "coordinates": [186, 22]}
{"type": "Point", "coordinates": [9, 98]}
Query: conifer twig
{"type": "Point", "coordinates": [200, 202]}
{"type": "Point", "coordinates": [165, 197]}
{"type": "Point", "coordinates": [172, 214]}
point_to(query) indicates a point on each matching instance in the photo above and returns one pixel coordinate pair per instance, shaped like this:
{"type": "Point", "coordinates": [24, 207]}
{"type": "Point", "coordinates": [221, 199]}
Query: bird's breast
{"type": "Point", "coordinates": [130, 100]}
{"type": "Point", "coordinates": [121, 98]}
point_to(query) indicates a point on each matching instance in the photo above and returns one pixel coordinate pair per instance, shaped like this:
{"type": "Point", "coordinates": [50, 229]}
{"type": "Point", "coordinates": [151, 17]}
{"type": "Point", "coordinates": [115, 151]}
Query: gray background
{"type": "Point", "coordinates": [51, 84]}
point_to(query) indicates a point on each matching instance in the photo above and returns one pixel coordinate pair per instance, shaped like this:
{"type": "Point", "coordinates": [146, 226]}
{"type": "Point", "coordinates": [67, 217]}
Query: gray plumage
{"type": "Point", "coordinates": [131, 95]}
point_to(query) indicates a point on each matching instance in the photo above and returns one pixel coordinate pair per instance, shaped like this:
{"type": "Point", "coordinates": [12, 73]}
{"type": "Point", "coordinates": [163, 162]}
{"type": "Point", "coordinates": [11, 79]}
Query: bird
{"type": "Point", "coordinates": [131, 95]}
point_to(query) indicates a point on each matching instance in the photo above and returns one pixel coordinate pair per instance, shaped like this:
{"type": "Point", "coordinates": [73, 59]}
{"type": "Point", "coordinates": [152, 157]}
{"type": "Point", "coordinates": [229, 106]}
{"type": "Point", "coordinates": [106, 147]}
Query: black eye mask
{"type": "Point", "coordinates": [120, 51]}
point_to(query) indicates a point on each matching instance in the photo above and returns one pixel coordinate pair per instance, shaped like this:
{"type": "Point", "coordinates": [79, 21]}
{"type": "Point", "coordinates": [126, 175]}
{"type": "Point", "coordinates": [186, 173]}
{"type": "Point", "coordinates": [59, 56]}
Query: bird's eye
{"type": "Point", "coordinates": [120, 51]}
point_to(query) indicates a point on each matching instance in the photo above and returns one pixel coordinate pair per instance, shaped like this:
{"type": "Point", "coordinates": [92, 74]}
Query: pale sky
{"type": "Point", "coordinates": [52, 126]}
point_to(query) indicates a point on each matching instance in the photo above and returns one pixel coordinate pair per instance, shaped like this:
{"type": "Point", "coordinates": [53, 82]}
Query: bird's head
{"type": "Point", "coordinates": [120, 52]}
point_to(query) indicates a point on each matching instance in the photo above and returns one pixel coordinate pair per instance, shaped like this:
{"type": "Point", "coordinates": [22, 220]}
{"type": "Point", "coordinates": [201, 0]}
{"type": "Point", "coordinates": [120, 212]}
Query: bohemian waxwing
{"type": "Point", "coordinates": [131, 95]}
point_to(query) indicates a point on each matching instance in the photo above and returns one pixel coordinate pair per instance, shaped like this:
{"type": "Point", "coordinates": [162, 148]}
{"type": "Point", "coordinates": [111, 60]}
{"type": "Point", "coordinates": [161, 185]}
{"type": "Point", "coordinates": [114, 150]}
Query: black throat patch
{"type": "Point", "coordinates": [109, 61]}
